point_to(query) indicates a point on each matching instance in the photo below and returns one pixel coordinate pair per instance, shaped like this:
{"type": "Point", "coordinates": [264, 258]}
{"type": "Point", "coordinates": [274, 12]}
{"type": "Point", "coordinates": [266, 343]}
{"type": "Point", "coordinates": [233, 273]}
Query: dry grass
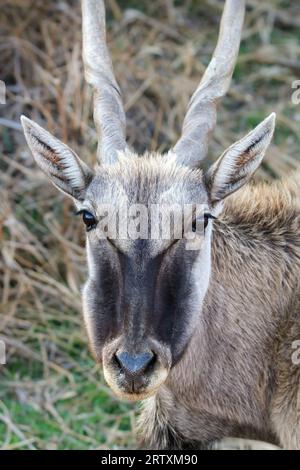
{"type": "Point", "coordinates": [51, 394]}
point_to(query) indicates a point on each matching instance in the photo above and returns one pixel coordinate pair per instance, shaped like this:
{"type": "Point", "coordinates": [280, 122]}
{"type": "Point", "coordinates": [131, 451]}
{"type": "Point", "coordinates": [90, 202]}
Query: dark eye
{"type": "Point", "coordinates": [207, 216]}
{"type": "Point", "coordinates": [206, 219]}
{"type": "Point", "coordinates": [89, 220]}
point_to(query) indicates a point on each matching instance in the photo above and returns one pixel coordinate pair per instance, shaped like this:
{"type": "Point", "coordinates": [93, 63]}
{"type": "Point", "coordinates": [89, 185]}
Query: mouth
{"type": "Point", "coordinates": [134, 391]}
{"type": "Point", "coordinates": [124, 394]}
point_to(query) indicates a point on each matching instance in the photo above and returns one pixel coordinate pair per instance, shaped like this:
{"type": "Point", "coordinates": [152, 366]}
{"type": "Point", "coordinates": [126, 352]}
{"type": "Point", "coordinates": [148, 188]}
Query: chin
{"type": "Point", "coordinates": [122, 392]}
{"type": "Point", "coordinates": [130, 396]}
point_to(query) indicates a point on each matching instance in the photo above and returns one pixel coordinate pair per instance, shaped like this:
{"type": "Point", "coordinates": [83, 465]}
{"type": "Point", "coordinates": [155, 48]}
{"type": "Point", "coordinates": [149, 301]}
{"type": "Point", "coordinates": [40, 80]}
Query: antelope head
{"type": "Point", "coordinates": [144, 295]}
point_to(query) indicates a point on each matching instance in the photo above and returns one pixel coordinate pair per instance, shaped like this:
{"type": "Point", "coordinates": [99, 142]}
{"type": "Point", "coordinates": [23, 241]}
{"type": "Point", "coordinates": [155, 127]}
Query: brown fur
{"type": "Point", "coordinates": [237, 377]}
{"type": "Point", "coordinates": [224, 353]}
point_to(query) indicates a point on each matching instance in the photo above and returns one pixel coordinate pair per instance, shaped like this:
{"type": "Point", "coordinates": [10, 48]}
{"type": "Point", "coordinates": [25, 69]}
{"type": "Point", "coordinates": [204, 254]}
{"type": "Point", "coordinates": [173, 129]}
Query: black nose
{"type": "Point", "coordinates": [134, 366]}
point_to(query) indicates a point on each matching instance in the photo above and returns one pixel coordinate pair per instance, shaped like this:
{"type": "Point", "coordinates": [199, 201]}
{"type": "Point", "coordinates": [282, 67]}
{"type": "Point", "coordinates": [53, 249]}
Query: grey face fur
{"type": "Point", "coordinates": [143, 298]}
{"type": "Point", "coordinates": [140, 297]}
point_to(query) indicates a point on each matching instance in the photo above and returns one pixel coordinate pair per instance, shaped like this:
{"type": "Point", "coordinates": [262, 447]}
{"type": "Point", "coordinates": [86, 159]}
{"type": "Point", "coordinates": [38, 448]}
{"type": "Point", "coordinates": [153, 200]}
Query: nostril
{"type": "Point", "coordinates": [135, 365]}
{"type": "Point", "coordinates": [116, 361]}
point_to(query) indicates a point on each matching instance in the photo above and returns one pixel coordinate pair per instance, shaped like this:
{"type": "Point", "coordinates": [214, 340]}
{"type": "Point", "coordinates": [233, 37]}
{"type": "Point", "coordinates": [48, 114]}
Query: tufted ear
{"type": "Point", "coordinates": [64, 168]}
{"type": "Point", "coordinates": [239, 162]}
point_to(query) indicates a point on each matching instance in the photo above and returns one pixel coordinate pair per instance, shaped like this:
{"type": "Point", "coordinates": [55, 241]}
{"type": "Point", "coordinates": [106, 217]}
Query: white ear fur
{"type": "Point", "coordinates": [238, 163]}
{"type": "Point", "coordinates": [65, 169]}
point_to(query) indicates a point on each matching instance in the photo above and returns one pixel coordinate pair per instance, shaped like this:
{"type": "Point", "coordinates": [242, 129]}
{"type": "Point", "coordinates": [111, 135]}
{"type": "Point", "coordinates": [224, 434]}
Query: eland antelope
{"type": "Point", "coordinates": [204, 337]}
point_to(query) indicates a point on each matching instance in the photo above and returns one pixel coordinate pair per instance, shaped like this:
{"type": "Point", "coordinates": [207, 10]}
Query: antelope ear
{"type": "Point", "coordinates": [64, 168]}
{"type": "Point", "coordinates": [239, 162]}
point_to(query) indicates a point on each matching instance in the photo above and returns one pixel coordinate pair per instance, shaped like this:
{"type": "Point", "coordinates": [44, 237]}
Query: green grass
{"type": "Point", "coordinates": [53, 410]}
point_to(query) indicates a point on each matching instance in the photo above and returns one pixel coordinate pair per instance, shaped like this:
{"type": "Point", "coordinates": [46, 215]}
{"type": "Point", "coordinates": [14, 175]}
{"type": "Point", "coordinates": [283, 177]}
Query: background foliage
{"type": "Point", "coordinates": [52, 395]}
